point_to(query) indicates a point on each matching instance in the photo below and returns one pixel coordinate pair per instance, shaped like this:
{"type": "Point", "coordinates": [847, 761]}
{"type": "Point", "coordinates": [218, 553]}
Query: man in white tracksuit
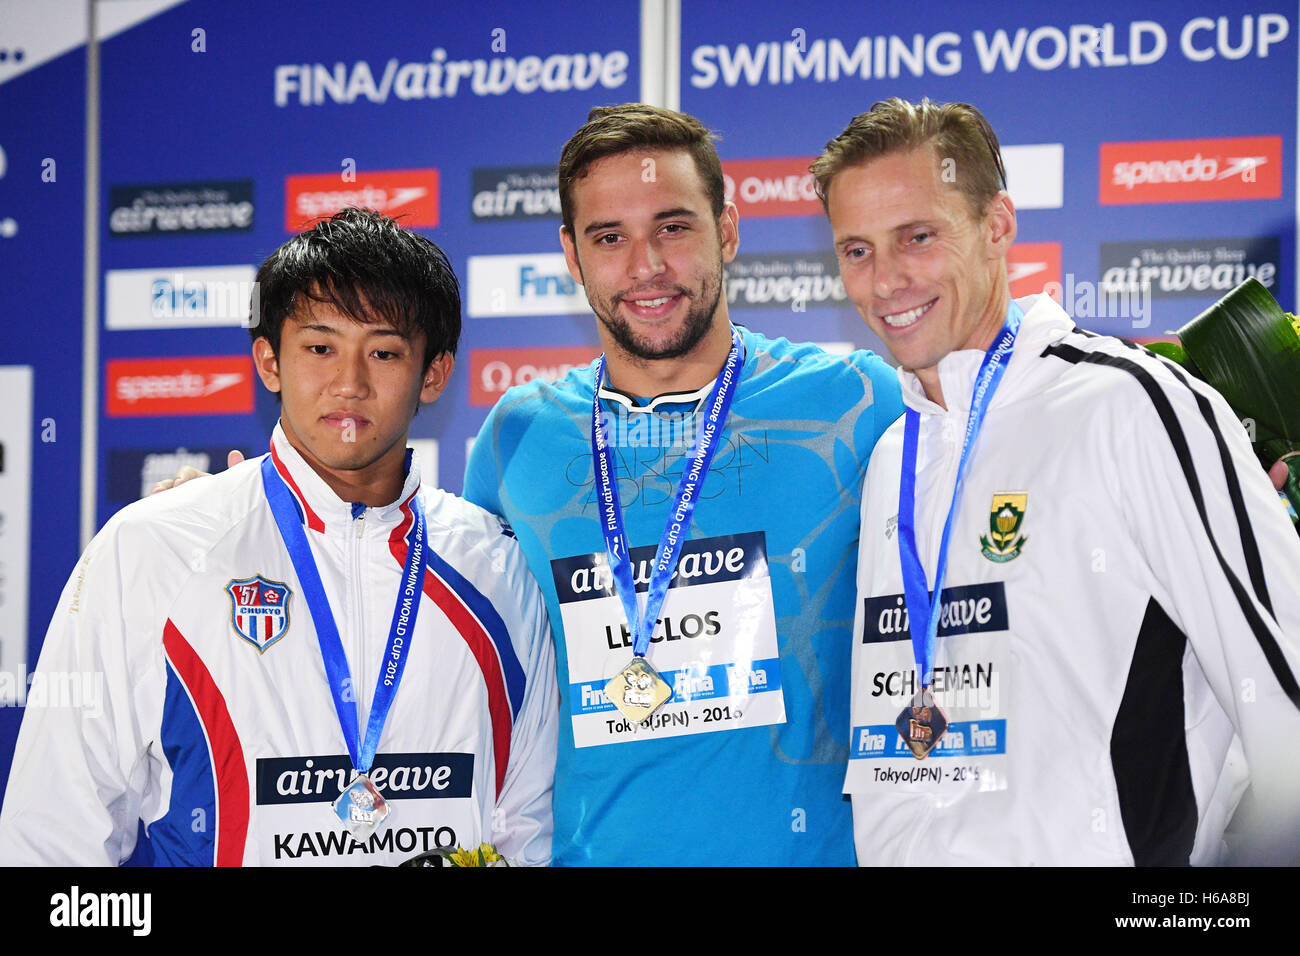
{"type": "Point", "coordinates": [219, 718]}
{"type": "Point", "coordinates": [1116, 642]}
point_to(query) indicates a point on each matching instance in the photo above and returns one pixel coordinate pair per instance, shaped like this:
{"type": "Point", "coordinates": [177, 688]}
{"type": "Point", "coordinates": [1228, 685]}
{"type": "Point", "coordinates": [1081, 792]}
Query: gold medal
{"type": "Point", "coordinates": [637, 690]}
{"type": "Point", "coordinates": [922, 724]}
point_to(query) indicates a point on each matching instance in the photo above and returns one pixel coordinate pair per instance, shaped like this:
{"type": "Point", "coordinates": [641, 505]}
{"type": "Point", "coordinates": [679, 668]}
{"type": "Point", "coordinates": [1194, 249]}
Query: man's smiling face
{"type": "Point", "coordinates": [922, 270]}
{"type": "Point", "coordinates": [649, 252]}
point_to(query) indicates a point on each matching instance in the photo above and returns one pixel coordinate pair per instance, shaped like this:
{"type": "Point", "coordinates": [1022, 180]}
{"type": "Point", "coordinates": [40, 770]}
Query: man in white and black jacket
{"type": "Point", "coordinates": [1118, 636]}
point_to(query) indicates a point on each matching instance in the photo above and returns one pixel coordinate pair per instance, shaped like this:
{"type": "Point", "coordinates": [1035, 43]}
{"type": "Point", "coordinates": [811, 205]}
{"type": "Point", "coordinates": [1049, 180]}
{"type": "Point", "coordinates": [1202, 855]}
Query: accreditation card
{"type": "Point", "coordinates": [969, 682]}
{"type": "Point", "coordinates": [714, 644]}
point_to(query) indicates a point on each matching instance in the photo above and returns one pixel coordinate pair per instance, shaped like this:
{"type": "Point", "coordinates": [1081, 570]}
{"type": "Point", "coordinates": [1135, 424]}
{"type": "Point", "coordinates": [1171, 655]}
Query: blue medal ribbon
{"type": "Point", "coordinates": [679, 519]}
{"type": "Point", "coordinates": [922, 606]}
{"type": "Point", "coordinates": [400, 632]}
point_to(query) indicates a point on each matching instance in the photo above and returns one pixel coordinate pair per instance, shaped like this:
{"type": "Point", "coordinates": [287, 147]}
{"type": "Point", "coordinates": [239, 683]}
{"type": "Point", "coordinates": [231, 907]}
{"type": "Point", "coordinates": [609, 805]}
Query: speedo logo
{"type": "Point", "coordinates": [199, 385]}
{"type": "Point", "coordinates": [972, 609]}
{"type": "Point", "coordinates": [1031, 266]}
{"type": "Point", "coordinates": [397, 776]}
{"type": "Point", "coordinates": [1192, 170]}
{"type": "Point", "coordinates": [408, 195]}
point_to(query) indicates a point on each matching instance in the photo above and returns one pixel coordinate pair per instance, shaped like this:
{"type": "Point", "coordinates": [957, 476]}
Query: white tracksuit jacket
{"type": "Point", "coordinates": [208, 716]}
{"type": "Point", "coordinates": [1121, 620]}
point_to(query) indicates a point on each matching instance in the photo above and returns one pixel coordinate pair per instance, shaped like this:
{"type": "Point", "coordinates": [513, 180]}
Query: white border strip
{"type": "Point", "coordinates": [652, 47]}
{"type": "Point", "coordinates": [672, 54]}
{"type": "Point", "coordinates": [90, 294]}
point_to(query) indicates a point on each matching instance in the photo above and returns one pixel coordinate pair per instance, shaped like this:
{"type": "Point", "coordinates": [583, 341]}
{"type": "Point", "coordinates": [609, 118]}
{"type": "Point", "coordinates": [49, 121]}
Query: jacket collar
{"type": "Point", "coordinates": [1044, 323]}
{"type": "Point", "coordinates": [321, 508]}
{"type": "Point", "coordinates": [634, 403]}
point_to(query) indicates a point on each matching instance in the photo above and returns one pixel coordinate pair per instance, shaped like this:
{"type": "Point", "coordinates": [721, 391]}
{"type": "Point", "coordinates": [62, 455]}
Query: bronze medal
{"type": "Point", "coordinates": [922, 724]}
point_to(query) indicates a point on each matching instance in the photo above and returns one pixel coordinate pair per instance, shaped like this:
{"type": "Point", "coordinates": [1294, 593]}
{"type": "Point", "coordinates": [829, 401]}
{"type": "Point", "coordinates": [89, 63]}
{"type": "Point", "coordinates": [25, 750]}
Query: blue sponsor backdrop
{"type": "Point", "coordinates": [211, 92]}
{"type": "Point", "coordinates": [274, 95]}
{"type": "Point", "coordinates": [1236, 85]}
{"type": "Point", "coordinates": [42, 131]}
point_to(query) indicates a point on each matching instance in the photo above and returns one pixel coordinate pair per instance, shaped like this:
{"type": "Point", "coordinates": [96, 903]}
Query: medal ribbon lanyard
{"type": "Point", "coordinates": [922, 607]}
{"type": "Point", "coordinates": [679, 519]}
{"type": "Point", "coordinates": [400, 631]}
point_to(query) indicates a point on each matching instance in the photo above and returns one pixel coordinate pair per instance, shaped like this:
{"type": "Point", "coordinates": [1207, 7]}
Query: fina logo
{"type": "Point", "coordinates": [185, 298]}
{"type": "Point", "coordinates": [523, 285]}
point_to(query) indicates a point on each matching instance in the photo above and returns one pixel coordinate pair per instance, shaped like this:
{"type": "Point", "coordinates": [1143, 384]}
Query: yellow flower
{"type": "Point", "coordinates": [485, 855]}
{"type": "Point", "coordinates": [462, 858]}
{"type": "Point", "coordinates": [488, 854]}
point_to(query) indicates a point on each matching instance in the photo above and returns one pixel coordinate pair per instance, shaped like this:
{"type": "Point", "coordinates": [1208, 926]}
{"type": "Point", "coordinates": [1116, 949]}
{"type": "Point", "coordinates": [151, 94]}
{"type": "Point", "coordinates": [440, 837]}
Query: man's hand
{"type": "Point", "coordinates": [232, 459]}
{"type": "Point", "coordinates": [1277, 474]}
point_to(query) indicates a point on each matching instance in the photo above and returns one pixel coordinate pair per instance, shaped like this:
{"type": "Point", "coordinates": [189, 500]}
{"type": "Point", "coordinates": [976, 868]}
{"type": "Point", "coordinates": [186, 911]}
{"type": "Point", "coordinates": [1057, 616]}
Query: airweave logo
{"type": "Point", "coordinates": [784, 281]}
{"type": "Point", "coordinates": [201, 385]}
{"type": "Point", "coordinates": [408, 195]}
{"type": "Point", "coordinates": [1188, 268]}
{"type": "Point", "coordinates": [396, 776]}
{"type": "Point", "coordinates": [771, 187]}
{"type": "Point", "coordinates": [492, 371]}
{"type": "Point", "coordinates": [1033, 265]}
{"type": "Point", "coordinates": [1191, 170]}
{"type": "Point", "coordinates": [132, 472]}
{"type": "Point", "coordinates": [181, 209]}
{"type": "Point", "coordinates": [971, 609]}
{"type": "Point", "coordinates": [515, 192]}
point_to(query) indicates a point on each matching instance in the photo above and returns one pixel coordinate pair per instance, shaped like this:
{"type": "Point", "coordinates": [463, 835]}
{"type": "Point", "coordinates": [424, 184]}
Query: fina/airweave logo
{"type": "Point", "coordinates": [515, 192]}
{"type": "Point", "coordinates": [784, 280]}
{"type": "Point", "coordinates": [181, 209]}
{"type": "Point", "coordinates": [729, 557]}
{"type": "Point", "coordinates": [1188, 268]}
{"type": "Point", "coordinates": [321, 779]}
{"type": "Point", "coordinates": [971, 609]}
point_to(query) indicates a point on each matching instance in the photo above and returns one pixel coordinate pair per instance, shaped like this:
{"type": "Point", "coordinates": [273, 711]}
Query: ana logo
{"type": "Point", "coordinates": [1005, 517]}
{"type": "Point", "coordinates": [1191, 170]}
{"type": "Point", "coordinates": [259, 610]}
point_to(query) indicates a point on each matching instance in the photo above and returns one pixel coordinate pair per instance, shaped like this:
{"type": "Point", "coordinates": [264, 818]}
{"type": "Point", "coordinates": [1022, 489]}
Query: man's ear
{"type": "Point", "coordinates": [266, 363]}
{"type": "Point", "coordinates": [1000, 224]}
{"type": "Point", "coordinates": [436, 377]}
{"type": "Point", "coordinates": [571, 254]}
{"type": "Point", "coordinates": [729, 230]}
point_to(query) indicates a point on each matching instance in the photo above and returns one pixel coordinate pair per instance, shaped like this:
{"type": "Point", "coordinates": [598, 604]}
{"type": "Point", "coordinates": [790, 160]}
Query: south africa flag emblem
{"type": "Point", "coordinates": [1005, 517]}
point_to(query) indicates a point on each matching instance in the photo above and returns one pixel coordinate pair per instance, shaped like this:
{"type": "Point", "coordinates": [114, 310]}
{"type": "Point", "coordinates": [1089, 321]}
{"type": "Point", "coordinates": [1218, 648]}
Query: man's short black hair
{"type": "Point", "coordinates": [368, 267]}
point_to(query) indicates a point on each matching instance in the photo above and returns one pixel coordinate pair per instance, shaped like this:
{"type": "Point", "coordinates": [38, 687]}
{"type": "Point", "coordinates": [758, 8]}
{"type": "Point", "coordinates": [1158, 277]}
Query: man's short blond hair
{"type": "Point", "coordinates": [956, 131]}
